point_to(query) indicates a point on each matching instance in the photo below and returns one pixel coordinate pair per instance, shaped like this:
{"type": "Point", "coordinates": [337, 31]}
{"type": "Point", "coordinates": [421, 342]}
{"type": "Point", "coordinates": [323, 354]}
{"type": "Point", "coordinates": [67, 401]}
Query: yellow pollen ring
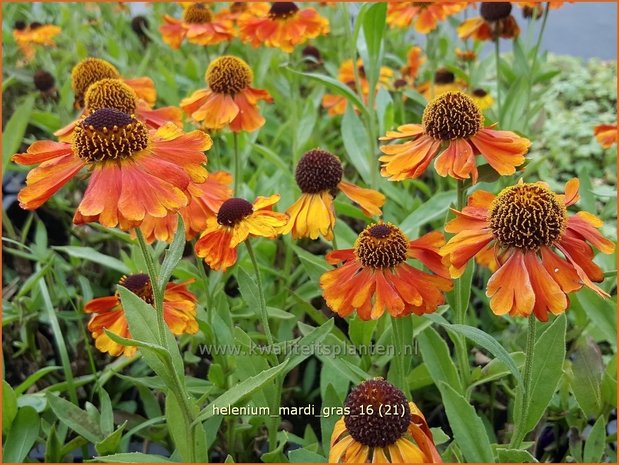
{"type": "Point", "coordinates": [228, 75]}
{"type": "Point", "coordinates": [452, 115]}
{"type": "Point", "coordinates": [86, 73]}
{"type": "Point", "coordinates": [97, 138]}
{"type": "Point", "coordinates": [111, 93]}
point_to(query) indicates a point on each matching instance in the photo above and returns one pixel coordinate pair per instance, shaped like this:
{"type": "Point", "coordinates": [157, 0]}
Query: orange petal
{"type": "Point", "coordinates": [369, 200]}
{"type": "Point", "coordinates": [504, 150]}
{"type": "Point", "coordinates": [510, 289]}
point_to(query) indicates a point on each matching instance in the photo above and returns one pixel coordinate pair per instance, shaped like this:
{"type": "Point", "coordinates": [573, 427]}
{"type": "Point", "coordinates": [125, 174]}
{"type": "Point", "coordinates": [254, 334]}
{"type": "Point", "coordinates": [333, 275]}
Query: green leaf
{"type": "Point", "coordinates": [33, 378]}
{"type": "Point", "coordinates": [438, 360]}
{"type": "Point", "coordinates": [602, 312]}
{"type": "Point", "coordinates": [109, 445]}
{"type": "Point", "coordinates": [107, 412]}
{"type": "Point", "coordinates": [432, 209]}
{"type": "Point", "coordinates": [249, 288]}
{"type": "Point", "coordinates": [468, 429]}
{"type": "Point", "coordinates": [22, 436]}
{"type": "Point", "coordinates": [354, 136]}
{"type": "Point", "coordinates": [173, 254]}
{"type": "Point", "coordinates": [313, 338]}
{"type": "Point", "coordinates": [181, 432]}
{"type": "Point", "coordinates": [135, 343]}
{"type": "Point", "coordinates": [132, 457]}
{"type": "Point", "coordinates": [9, 406]}
{"type": "Point", "coordinates": [315, 265]}
{"type": "Point", "coordinates": [596, 442]}
{"type": "Point", "coordinates": [371, 47]}
{"type": "Point", "coordinates": [90, 254]}
{"type": "Point", "coordinates": [514, 456]}
{"type": "Point", "coordinates": [335, 86]}
{"type": "Point", "coordinates": [546, 371]}
{"type": "Point", "coordinates": [142, 319]}
{"type": "Point", "coordinates": [75, 418]}
{"type": "Point", "coordinates": [243, 390]}
{"type": "Point", "coordinates": [489, 343]}
{"type": "Point", "coordinates": [587, 370]}
{"type": "Point", "coordinates": [15, 129]}
{"type": "Point", "coordinates": [305, 456]}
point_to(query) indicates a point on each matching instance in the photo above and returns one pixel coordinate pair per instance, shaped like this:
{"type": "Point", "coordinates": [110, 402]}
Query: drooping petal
{"type": "Point", "coordinates": [369, 200]}
{"type": "Point", "coordinates": [503, 150]}
{"type": "Point", "coordinates": [510, 289]}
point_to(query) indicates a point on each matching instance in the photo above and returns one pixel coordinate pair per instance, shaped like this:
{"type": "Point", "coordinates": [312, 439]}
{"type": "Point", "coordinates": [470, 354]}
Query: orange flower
{"type": "Point", "coordinates": [118, 95]}
{"type": "Point", "coordinates": [424, 15]}
{"type": "Point", "coordinates": [238, 10]}
{"type": "Point", "coordinates": [466, 55]}
{"type": "Point", "coordinates": [35, 34]}
{"type": "Point", "coordinates": [606, 134]}
{"type": "Point", "coordinates": [376, 269]}
{"type": "Point", "coordinates": [542, 253]}
{"type": "Point", "coordinates": [206, 198]}
{"type": "Point", "coordinates": [199, 26]}
{"type": "Point", "coordinates": [367, 435]}
{"type": "Point", "coordinates": [336, 104]}
{"type": "Point", "coordinates": [229, 98]}
{"type": "Point", "coordinates": [495, 21]}
{"type": "Point", "coordinates": [284, 26]}
{"type": "Point", "coordinates": [179, 313]}
{"type": "Point", "coordinates": [90, 70]}
{"type": "Point", "coordinates": [319, 176]}
{"type": "Point", "coordinates": [454, 122]}
{"type": "Point", "coordinates": [236, 220]}
{"type": "Point", "coordinates": [133, 172]}
{"type": "Point", "coordinates": [414, 60]}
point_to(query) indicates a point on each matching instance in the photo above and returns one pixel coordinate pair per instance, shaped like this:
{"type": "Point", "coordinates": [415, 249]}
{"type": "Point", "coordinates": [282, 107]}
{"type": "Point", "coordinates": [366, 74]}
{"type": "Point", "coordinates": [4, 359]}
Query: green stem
{"type": "Point", "coordinates": [497, 56]}
{"type": "Point", "coordinates": [178, 388]}
{"type": "Point", "coordinates": [264, 317]}
{"type": "Point", "coordinates": [461, 307]}
{"type": "Point", "coordinates": [237, 164]}
{"type": "Point", "coordinates": [398, 355]}
{"type": "Point", "coordinates": [157, 293]}
{"type": "Point", "coordinates": [523, 392]}
{"type": "Point", "coordinates": [534, 62]}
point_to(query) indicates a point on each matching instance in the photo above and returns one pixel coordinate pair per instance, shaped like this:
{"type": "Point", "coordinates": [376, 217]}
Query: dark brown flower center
{"type": "Point", "coordinates": [228, 75]}
{"type": "Point", "coordinates": [283, 10]}
{"type": "Point", "coordinates": [109, 134]}
{"type": "Point", "coordinates": [318, 171]}
{"type": "Point", "coordinates": [43, 80]}
{"type": "Point", "coordinates": [452, 115]}
{"type": "Point", "coordinates": [495, 11]}
{"type": "Point", "coordinates": [444, 76]}
{"type": "Point", "coordinates": [480, 93]}
{"type": "Point", "coordinates": [35, 25]}
{"type": "Point", "coordinates": [139, 24]}
{"type": "Point", "coordinates": [111, 93]}
{"type": "Point", "coordinates": [379, 413]}
{"type": "Point", "coordinates": [311, 51]}
{"type": "Point", "coordinates": [527, 216]}
{"type": "Point", "coordinates": [198, 13]}
{"type": "Point", "coordinates": [140, 285]}
{"type": "Point", "coordinates": [381, 245]}
{"type": "Point", "coordinates": [233, 210]}
{"type": "Point", "coordinates": [88, 72]}
{"type": "Point", "coordinates": [19, 25]}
